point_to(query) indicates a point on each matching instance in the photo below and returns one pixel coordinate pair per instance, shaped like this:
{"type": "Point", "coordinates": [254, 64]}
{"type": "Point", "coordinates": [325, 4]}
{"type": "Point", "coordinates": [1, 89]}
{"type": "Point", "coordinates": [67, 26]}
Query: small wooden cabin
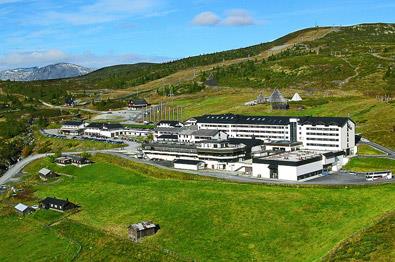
{"type": "Point", "coordinates": [73, 160]}
{"type": "Point", "coordinates": [46, 174]}
{"type": "Point", "coordinates": [57, 204]}
{"type": "Point", "coordinates": [23, 209]}
{"type": "Point", "coordinates": [141, 230]}
{"type": "Point", "coordinates": [137, 103]}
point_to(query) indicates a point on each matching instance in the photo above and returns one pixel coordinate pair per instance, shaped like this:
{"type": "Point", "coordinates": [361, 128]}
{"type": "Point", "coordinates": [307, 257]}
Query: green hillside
{"type": "Point", "coordinates": [201, 219]}
{"type": "Point", "coordinates": [124, 76]}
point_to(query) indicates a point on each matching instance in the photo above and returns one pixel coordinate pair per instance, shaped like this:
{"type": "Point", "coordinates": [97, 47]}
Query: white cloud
{"type": "Point", "coordinates": [206, 18]}
{"type": "Point", "coordinates": [234, 17]}
{"type": "Point", "coordinates": [238, 17]}
{"type": "Point", "coordinates": [88, 59]}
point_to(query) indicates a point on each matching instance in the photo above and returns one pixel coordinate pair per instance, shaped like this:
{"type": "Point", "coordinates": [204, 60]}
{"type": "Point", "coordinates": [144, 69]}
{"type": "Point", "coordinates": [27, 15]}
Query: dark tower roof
{"type": "Point", "coordinates": [277, 97]}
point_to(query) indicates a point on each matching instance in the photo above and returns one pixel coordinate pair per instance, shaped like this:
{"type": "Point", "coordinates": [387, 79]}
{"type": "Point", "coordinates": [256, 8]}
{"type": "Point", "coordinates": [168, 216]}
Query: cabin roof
{"type": "Point", "coordinates": [44, 171]}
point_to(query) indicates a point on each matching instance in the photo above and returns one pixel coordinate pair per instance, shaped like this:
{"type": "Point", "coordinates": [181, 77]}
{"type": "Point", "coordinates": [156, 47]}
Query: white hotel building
{"type": "Point", "coordinates": [315, 133]}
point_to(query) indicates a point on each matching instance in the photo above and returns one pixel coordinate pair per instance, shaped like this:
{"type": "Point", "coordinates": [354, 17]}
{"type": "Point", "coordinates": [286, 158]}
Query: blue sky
{"type": "Point", "coordinates": [97, 33]}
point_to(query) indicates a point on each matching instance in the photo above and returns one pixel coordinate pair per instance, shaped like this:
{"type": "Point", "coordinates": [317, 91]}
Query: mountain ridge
{"type": "Point", "coordinates": [49, 72]}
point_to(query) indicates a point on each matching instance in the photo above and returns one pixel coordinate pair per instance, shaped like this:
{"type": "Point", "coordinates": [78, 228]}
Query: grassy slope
{"type": "Point", "coordinates": [370, 164]}
{"type": "Point", "coordinates": [208, 220]}
{"type": "Point", "coordinates": [69, 145]}
{"type": "Point", "coordinates": [376, 243]}
{"type": "Point", "coordinates": [28, 239]}
{"type": "Point", "coordinates": [368, 150]}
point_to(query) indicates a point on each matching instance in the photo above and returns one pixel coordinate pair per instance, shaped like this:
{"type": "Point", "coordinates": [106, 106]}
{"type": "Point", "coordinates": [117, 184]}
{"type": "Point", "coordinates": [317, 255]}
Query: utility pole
{"type": "Point", "coordinates": [173, 113]}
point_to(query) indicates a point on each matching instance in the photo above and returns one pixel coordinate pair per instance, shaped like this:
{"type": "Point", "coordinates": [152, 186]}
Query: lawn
{"type": "Point", "coordinates": [370, 164]}
{"type": "Point", "coordinates": [368, 150]}
{"type": "Point", "coordinates": [28, 239]}
{"type": "Point", "coordinates": [376, 243]}
{"type": "Point", "coordinates": [206, 219]}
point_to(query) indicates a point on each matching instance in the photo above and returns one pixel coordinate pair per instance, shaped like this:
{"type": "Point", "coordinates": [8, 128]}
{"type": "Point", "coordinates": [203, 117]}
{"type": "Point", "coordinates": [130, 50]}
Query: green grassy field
{"type": "Point", "coordinates": [28, 239]}
{"type": "Point", "coordinates": [370, 164]}
{"type": "Point", "coordinates": [201, 218]}
{"type": "Point", "coordinates": [376, 243]}
{"type": "Point", "coordinates": [368, 150]}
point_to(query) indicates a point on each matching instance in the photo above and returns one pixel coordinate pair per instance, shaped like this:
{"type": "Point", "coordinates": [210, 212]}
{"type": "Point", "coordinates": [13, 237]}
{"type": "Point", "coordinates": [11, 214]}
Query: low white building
{"type": "Point", "coordinates": [113, 131]}
{"type": "Point", "coordinates": [170, 123]}
{"type": "Point", "coordinates": [188, 164]}
{"type": "Point", "coordinates": [104, 130]}
{"type": "Point", "coordinates": [220, 155]}
{"type": "Point", "coordinates": [295, 166]}
{"type": "Point", "coordinates": [136, 132]}
{"type": "Point", "coordinates": [73, 128]}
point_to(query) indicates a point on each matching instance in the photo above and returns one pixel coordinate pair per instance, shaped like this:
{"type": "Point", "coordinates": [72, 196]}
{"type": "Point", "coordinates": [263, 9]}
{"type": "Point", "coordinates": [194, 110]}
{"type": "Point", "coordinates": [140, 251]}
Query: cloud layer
{"type": "Point", "coordinates": [233, 17]}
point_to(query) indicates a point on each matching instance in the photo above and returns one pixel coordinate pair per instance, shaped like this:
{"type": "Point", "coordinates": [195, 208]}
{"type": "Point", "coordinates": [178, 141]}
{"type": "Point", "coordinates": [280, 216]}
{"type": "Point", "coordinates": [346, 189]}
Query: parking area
{"type": "Point", "coordinates": [339, 178]}
{"type": "Point", "coordinates": [123, 116]}
{"type": "Point", "coordinates": [342, 178]}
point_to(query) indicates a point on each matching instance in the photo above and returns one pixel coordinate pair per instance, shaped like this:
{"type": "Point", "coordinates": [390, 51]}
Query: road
{"type": "Point", "coordinates": [388, 151]}
{"type": "Point", "coordinates": [132, 148]}
{"type": "Point", "coordinates": [17, 168]}
{"type": "Point", "coordinates": [337, 179]}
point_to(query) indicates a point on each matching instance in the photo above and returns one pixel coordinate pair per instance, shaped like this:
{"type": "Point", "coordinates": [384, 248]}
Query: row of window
{"type": "Point", "coordinates": [322, 128]}
{"type": "Point", "coordinates": [322, 134]}
{"type": "Point", "coordinates": [261, 131]}
{"type": "Point", "coordinates": [259, 126]}
{"type": "Point", "coordinates": [208, 125]}
{"type": "Point", "coordinates": [322, 145]}
{"type": "Point", "coordinates": [310, 174]}
{"type": "Point", "coordinates": [262, 136]}
{"type": "Point", "coordinates": [323, 139]}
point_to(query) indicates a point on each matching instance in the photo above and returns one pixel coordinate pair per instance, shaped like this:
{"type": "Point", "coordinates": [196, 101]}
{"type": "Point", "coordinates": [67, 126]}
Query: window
{"type": "Point", "coordinates": [311, 174]}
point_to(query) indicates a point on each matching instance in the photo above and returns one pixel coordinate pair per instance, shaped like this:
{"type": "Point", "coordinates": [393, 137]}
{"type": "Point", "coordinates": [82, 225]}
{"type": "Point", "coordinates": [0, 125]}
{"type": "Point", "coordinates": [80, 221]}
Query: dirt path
{"type": "Point", "coordinates": [383, 58]}
{"type": "Point", "coordinates": [348, 79]}
{"type": "Point", "coordinates": [71, 108]}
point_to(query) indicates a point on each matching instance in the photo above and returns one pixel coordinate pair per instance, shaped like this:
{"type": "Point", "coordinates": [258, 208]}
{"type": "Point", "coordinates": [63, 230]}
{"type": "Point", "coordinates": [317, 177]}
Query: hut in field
{"type": "Point", "coordinates": [261, 99]}
{"type": "Point", "coordinates": [278, 101]}
{"type": "Point", "coordinates": [57, 204]}
{"type": "Point", "coordinates": [211, 81]}
{"type": "Point", "coordinates": [141, 230]}
{"type": "Point", "coordinates": [296, 98]}
{"type": "Point", "coordinates": [46, 174]}
{"type": "Point", "coordinates": [23, 209]}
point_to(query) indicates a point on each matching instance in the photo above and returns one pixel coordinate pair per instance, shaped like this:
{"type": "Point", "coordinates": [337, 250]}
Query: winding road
{"type": "Point", "coordinates": [132, 148]}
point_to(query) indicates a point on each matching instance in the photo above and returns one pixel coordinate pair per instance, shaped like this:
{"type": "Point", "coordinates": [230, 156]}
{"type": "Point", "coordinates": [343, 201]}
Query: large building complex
{"type": "Point", "coordinates": [272, 147]}
{"type": "Point", "coordinates": [294, 148]}
{"type": "Point", "coordinates": [315, 133]}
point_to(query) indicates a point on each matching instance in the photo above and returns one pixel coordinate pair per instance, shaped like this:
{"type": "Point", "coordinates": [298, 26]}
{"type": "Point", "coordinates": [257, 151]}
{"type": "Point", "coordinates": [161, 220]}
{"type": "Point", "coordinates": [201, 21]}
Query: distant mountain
{"type": "Point", "coordinates": [56, 71]}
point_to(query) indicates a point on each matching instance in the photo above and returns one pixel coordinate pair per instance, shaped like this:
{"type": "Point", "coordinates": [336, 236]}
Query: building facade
{"type": "Point", "coordinates": [315, 133]}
